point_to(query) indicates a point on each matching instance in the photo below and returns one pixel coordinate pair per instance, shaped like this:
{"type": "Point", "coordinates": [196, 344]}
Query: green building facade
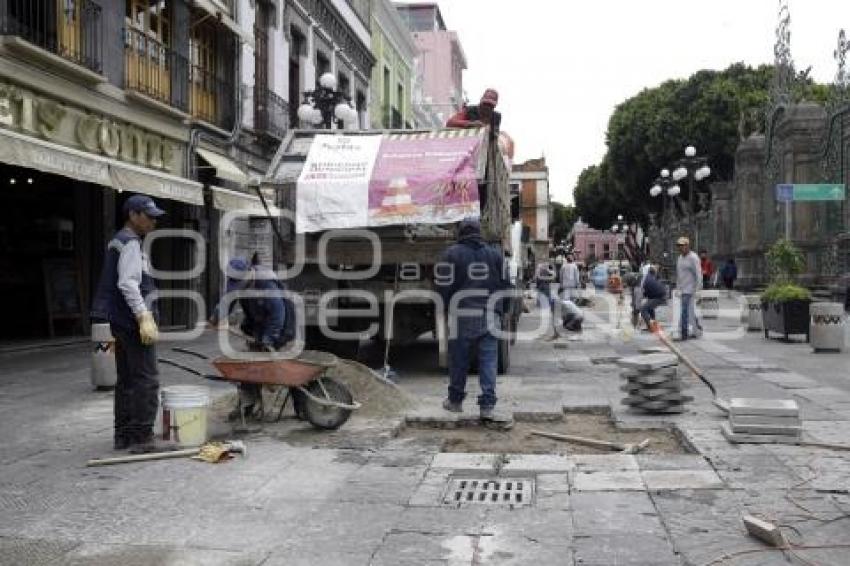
{"type": "Point", "coordinates": [391, 103]}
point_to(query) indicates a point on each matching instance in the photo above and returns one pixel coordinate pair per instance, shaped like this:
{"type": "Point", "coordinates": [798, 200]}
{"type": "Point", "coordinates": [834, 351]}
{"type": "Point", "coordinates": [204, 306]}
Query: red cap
{"type": "Point", "coordinates": [490, 96]}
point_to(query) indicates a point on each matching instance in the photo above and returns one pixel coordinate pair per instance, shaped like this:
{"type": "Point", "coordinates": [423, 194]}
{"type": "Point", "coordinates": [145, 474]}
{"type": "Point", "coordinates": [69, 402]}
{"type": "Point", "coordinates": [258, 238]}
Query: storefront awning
{"type": "Point", "coordinates": [25, 151]}
{"type": "Point", "coordinates": [227, 200]}
{"type": "Point", "coordinates": [224, 167]}
{"type": "Point", "coordinates": [220, 12]}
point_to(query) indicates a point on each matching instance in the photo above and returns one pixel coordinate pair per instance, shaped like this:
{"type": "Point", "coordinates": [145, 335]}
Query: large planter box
{"type": "Point", "coordinates": [788, 318]}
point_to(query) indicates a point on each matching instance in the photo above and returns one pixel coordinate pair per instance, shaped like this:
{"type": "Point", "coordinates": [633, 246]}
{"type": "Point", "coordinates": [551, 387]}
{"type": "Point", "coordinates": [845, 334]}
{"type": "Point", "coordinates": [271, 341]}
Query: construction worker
{"type": "Point", "coordinates": [268, 321]}
{"type": "Point", "coordinates": [122, 300]}
{"type": "Point", "coordinates": [484, 114]}
{"type": "Point", "coordinates": [478, 272]}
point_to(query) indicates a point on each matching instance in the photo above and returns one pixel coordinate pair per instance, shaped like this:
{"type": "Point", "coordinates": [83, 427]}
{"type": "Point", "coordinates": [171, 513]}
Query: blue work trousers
{"type": "Point", "coordinates": [460, 349]}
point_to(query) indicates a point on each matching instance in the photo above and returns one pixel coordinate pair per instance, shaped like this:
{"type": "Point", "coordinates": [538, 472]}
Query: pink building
{"type": "Point", "coordinates": [600, 244]}
{"type": "Point", "coordinates": [441, 62]}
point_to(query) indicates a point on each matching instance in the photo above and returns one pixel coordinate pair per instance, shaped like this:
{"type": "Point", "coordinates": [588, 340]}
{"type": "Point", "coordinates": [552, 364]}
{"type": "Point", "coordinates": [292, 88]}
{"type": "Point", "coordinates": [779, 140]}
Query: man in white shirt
{"type": "Point", "coordinates": [570, 278]}
{"type": "Point", "coordinates": [688, 282]}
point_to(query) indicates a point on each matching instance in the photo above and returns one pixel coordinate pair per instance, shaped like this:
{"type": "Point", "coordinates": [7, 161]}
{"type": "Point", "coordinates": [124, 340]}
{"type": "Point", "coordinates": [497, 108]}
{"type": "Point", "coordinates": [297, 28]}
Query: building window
{"type": "Point", "coordinates": [202, 48]}
{"type": "Point", "coordinates": [323, 65]}
{"type": "Point", "coordinates": [361, 110]}
{"type": "Point", "coordinates": [400, 100]}
{"type": "Point", "coordinates": [606, 251]}
{"type": "Point", "coordinates": [148, 59]}
{"type": "Point", "coordinates": [621, 251]}
{"type": "Point", "coordinates": [591, 250]}
{"type": "Point", "coordinates": [387, 99]}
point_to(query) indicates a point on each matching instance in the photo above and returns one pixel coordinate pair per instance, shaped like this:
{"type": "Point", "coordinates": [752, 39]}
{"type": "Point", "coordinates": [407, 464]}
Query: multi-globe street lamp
{"type": "Point", "coordinates": [668, 190]}
{"type": "Point", "coordinates": [324, 104]}
{"type": "Point", "coordinates": [695, 169]}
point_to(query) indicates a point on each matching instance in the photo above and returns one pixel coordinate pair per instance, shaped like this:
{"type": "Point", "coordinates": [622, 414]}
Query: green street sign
{"type": "Point", "coordinates": [819, 192]}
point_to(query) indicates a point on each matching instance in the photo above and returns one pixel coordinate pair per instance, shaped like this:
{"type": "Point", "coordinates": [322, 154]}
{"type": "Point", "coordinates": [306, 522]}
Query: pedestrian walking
{"type": "Point", "coordinates": [544, 280]}
{"type": "Point", "coordinates": [729, 273]}
{"type": "Point", "coordinates": [707, 268]}
{"type": "Point", "coordinates": [688, 281]}
{"type": "Point", "coordinates": [122, 299]}
{"type": "Point", "coordinates": [478, 273]}
{"type": "Point", "coordinates": [570, 278]}
{"type": "Point", "coordinates": [654, 295]}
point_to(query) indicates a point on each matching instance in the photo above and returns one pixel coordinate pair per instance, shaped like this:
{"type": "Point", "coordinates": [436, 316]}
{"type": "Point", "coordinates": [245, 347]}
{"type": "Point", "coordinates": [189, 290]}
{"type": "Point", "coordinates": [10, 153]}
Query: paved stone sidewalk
{"type": "Point", "coordinates": [365, 496]}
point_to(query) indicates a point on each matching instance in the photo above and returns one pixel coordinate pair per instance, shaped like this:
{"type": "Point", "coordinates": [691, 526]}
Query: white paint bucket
{"type": "Point", "coordinates": [184, 414]}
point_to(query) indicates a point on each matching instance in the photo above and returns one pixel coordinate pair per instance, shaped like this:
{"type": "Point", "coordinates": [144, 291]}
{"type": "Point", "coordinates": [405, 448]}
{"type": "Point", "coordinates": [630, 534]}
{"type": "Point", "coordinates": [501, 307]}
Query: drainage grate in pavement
{"type": "Point", "coordinates": [515, 492]}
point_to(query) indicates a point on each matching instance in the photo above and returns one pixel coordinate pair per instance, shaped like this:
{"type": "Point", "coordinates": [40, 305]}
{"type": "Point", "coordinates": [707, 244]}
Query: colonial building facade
{"type": "Point", "coordinates": [530, 182]}
{"type": "Point", "coordinates": [182, 100]}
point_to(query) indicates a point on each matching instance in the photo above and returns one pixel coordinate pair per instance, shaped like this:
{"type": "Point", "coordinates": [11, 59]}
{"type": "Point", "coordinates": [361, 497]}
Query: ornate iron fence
{"type": "Point", "coordinates": [152, 69]}
{"type": "Point", "coordinates": [271, 113]}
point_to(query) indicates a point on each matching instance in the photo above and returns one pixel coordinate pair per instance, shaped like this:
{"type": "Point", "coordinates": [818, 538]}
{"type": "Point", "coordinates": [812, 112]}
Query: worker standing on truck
{"type": "Point", "coordinates": [484, 114]}
{"type": "Point", "coordinates": [477, 272]}
{"type": "Point", "coordinates": [122, 299]}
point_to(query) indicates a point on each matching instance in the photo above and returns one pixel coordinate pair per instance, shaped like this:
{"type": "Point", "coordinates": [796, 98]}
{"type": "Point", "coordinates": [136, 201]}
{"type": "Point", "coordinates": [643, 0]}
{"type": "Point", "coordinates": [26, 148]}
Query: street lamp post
{"type": "Point", "coordinates": [695, 169]}
{"type": "Point", "coordinates": [324, 104]}
{"type": "Point", "coordinates": [668, 189]}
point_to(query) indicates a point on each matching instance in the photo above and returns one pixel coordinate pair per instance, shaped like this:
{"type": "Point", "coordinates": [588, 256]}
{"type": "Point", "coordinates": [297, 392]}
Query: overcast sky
{"type": "Point", "coordinates": [562, 65]}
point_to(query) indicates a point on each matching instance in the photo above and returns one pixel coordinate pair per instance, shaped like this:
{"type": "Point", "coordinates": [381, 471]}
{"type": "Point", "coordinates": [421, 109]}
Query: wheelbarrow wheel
{"type": "Point", "coordinates": [323, 416]}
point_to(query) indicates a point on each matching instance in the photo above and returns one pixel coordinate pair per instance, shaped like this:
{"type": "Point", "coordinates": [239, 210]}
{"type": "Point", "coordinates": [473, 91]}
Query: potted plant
{"type": "Point", "coordinates": [785, 305]}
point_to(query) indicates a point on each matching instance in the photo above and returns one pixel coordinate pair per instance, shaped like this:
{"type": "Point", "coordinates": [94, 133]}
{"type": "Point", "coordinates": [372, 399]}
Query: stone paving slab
{"type": "Point", "coordinates": [472, 461]}
{"type": "Point", "coordinates": [628, 480]}
{"type": "Point", "coordinates": [656, 480]}
{"type": "Point", "coordinates": [542, 463]}
{"type": "Point", "coordinates": [625, 550]}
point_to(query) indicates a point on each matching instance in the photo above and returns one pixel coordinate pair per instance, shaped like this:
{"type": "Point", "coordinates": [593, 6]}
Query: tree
{"type": "Point", "coordinates": [563, 218]}
{"type": "Point", "coordinates": [711, 110]}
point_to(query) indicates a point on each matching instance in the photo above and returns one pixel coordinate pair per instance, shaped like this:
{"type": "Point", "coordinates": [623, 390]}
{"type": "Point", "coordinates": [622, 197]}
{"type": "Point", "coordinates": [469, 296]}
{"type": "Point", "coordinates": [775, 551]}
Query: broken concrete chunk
{"type": "Point", "coordinates": [649, 362]}
{"type": "Point", "coordinates": [768, 407]}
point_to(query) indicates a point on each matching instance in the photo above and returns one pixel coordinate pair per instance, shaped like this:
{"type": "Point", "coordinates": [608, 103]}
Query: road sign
{"type": "Point", "coordinates": [810, 192]}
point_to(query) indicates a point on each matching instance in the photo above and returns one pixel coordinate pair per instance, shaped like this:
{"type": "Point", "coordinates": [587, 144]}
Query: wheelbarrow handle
{"type": "Point", "coordinates": [191, 370]}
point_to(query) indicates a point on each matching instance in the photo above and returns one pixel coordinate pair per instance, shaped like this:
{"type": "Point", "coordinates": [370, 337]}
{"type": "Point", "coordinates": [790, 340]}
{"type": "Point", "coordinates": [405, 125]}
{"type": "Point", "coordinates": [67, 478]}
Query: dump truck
{"type": "Point", "coordinates": [368, 214]}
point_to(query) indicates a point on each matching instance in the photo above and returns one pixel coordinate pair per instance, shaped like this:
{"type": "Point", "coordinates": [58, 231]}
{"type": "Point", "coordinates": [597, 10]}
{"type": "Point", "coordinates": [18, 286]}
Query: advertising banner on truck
{"type": "Point", "coordinates": [367, 181]}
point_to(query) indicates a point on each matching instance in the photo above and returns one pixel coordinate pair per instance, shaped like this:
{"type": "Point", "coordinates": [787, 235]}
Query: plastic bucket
{"type": "Point", "coordinates": [184, 414]}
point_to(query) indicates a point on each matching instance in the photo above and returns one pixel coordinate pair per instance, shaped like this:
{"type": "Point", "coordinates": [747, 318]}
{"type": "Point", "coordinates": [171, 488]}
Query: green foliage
{"type": "Point", "coordinates": [784, 292]}
{"type": "Point", "coordinates": [784, 260]}
{"type": "Point", "coordinates": [711, 110]}
{"type": "Point", "coordinates": [563, 218]}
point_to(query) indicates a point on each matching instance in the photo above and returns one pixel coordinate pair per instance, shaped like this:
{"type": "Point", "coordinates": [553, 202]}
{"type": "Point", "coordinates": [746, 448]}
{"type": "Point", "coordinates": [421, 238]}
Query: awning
{"type": "Point", "coordinates": [224, 167]}
{"type": "Point", "coordinates": [227, 200]}
{"type": "Point", "coordinates": [25, 151]}
{"type": "Point", "coordinates": [221, 13]}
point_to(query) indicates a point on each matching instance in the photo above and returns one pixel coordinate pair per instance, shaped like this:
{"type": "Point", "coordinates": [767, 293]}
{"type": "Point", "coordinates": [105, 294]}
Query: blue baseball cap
{"type": "Point", "coordinates": [236, 270]}
{"type": "Point", "coordinates": [143, 203]}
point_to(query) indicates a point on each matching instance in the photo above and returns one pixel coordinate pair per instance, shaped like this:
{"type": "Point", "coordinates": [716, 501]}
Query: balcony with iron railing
{"type": "Point", "coordinates": [71, 30]}
{"type": "Point", "coordinates": [155, 71]}
{"type": "Point", "coordinates": [212, 98]}
{"type": "Point", "coordinates": [271, 113]}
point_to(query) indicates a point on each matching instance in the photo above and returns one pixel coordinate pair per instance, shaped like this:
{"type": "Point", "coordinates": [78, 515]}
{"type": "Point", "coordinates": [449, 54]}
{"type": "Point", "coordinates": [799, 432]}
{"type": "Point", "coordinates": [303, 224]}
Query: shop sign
{"type": "Point", "coordinates": [42, 117]}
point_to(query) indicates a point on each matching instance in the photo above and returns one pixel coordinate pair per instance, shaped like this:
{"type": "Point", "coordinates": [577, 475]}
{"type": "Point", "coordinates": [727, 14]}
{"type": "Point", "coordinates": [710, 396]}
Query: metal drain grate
{"type": "Point", "coordinates": [515, 492]}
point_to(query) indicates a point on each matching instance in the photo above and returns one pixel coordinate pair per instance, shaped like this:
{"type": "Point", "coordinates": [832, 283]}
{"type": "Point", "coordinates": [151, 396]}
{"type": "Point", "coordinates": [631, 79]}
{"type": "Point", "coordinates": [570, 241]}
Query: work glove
{"type": "Point", "coordinates": [148, 331]}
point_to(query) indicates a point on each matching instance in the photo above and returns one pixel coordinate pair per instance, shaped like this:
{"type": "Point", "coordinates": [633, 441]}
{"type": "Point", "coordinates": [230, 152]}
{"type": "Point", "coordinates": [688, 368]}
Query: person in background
{"type": "Point", "coordinates": [688, 282]}
{"type": "Point", "coordinates": [544, 280]}
{"type": "Point", "coordinates": [478, 272]}
{"type": "Point", "coordinates": [729, 272]}
{"type": "Point", "coordinates": [654, 294]}
{"type": "Point", "coordinates": [121, 299]}
{"type": "Point", "coordinates": [484, 114]}
{"type": "Point", "coordinates": [707, 269]}
{"type": "Point", "coordinates": [570, 278]}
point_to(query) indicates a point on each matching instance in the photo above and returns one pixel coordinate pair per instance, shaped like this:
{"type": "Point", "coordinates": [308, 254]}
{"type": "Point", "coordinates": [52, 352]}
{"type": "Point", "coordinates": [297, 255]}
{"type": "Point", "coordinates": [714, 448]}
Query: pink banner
{"type": "Point", "coordinates": [425, 180]}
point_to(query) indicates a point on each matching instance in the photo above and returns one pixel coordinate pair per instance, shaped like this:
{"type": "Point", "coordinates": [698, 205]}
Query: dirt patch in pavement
{"type": "Point", "coordinates": [519, 439]}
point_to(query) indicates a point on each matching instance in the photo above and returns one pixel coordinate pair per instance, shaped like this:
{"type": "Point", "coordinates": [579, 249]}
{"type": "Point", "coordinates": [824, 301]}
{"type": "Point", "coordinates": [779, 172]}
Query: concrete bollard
{"type": "Point", "coordinates": [103, 374]}
{"type": "Point", "coordinates": [752, 313]}
{"type": "Point", "coordinates": [709, 303]}
{"type": "Point", "coordinates": [827, 326]}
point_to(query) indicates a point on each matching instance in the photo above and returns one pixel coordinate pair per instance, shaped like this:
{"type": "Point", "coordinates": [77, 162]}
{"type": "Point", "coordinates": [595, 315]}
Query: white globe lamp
{"type": "Point", "coordinates": [305, 113]}
{"type": "Point", "coordinates": [690, 151]}
{"type": "Point", "coordinates": [328, 80]}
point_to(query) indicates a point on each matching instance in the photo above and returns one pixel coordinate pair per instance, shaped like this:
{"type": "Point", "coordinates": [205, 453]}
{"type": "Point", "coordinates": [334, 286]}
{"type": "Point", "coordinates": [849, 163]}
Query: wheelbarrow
{"type": "Point", "coordinates": [322, 401]}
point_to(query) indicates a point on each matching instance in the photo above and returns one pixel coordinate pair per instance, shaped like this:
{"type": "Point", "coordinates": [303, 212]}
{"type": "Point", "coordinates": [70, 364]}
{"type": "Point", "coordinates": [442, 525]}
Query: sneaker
{"type": "Point", "coordinates": [452, 407]}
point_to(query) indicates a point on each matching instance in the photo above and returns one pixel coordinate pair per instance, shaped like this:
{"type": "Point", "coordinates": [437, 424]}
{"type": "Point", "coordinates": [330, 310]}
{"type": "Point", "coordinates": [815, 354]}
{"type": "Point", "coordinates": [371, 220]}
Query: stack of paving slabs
{"type": "Point", "coordinates": [652, 383]}
{"type": "Point", "coordinates": [763, 421]}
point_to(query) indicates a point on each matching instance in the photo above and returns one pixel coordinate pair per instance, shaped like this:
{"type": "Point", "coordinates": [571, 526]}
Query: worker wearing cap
{"type": "Point", "coordinates": [484, 114]}
{"type": "Point", "coordinates": [122, 299]}
{"type": "Point", "coordinates": [688, 282]}
{"type": "Point", "coordinates": [265, 321]}
{"type": "Point", "coordinates": [477, 272]}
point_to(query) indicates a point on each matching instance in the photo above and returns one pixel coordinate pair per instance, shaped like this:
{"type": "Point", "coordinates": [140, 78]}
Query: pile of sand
{"type": "Point", "coordinates": [379, 397]}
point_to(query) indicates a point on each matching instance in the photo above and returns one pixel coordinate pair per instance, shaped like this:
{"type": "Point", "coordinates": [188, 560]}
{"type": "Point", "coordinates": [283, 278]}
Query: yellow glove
{"type": "Point", "coordinates": [147, 328]}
